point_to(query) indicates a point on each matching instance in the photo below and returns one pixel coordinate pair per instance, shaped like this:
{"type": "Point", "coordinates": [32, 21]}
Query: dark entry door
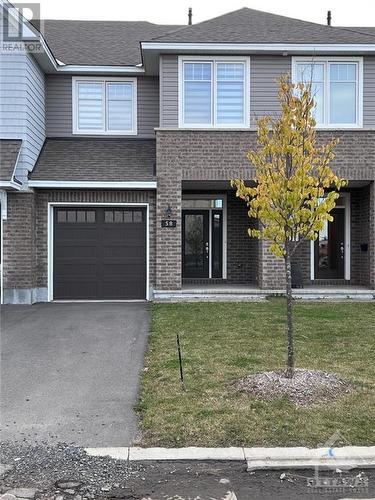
{"type": "Point", "coordinates": [195, 244]}
{"type": "Point", "coordinates": [330, 248]}
{"type": "Point", "coordinates": [99, 253]}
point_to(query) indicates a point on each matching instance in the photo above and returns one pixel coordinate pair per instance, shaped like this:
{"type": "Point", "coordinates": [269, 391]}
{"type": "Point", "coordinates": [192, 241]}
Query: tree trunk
{"type": "Point", "coordinates": [289, 309]}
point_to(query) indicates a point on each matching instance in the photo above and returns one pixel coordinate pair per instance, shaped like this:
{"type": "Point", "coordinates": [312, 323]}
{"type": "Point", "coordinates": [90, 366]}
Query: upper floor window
{"type": "Point", "coordinates": [105, 106]}
{"type": "Point", "coordinates": [214, 92]}
{"type": "Point", "coordinates": [337, 89]}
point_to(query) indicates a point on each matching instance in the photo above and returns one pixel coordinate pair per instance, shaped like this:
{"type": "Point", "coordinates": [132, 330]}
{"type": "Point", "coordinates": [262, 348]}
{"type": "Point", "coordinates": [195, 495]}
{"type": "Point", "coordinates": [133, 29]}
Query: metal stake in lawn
{"type": "Point", "coordinates": [180, 363]}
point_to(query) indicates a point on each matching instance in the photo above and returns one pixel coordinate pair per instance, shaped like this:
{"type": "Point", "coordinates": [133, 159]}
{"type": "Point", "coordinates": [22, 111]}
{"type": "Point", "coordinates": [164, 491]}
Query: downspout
{"type": "Point", "coordinates": [3, 216]}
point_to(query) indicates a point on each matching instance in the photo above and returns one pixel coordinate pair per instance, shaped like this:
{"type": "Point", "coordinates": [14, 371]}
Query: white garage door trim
{"type": "Point", "coordinates": [50, 218]}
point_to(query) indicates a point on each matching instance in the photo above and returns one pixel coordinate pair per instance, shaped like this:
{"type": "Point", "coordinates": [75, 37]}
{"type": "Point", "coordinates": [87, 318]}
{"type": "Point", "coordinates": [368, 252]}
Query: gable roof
{"type": "Point", "coordinates": [9, 151]}
{"type": "Point", "coordinates": [253, 26]}
{"type": "Point", "coordinates": [99, 43]}
{"type": "Point", "coordinates": [96, 159]}
{"type": "Point", "coordinates": [118, 43]}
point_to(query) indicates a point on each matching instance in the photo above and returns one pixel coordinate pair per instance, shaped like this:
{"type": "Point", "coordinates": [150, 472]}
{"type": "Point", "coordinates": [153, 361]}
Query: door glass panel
{"type": "Point", "coordinates": [194, 244]}
{"type": "Point", "coordinates": [202, 203]}
{"type": "Point", "coordinates": [217, 244]}
{"type": "Point", "coordinates": [330, 248]}
{"type": "Point", "coordinates": [323, 247]}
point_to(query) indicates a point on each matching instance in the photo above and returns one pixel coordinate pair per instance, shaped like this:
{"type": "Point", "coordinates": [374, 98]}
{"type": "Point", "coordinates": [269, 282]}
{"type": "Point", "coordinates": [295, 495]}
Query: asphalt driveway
{"type": "Point", "coordinates": [70, 372]}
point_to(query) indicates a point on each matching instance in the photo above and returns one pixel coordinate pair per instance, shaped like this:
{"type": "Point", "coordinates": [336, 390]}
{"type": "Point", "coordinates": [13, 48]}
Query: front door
{"type": "Point", "coordinates": [330, 248]}
{"type": "Point", "coordinates": [195, 244]}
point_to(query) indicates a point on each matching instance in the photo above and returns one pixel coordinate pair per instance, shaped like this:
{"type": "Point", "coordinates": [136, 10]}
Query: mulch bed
{"type": "Point", "coordinates": [307, 387]}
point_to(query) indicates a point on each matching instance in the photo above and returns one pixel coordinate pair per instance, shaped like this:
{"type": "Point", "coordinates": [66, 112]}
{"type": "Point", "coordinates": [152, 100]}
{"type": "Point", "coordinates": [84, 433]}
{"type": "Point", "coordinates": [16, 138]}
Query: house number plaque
{"type": "Point", "coordinates": [168, 223]}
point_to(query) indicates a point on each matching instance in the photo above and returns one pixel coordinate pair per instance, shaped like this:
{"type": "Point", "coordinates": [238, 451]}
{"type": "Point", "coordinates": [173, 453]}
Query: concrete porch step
{"type": "Point", "coordinates": [243, 294]}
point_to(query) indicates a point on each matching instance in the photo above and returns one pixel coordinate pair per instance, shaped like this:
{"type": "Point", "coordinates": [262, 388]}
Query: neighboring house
{"type": "Point", "coordinates": [119, 139]}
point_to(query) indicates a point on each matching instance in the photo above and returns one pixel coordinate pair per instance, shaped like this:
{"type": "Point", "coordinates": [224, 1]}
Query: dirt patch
{"type": "Point", "coordinates": [307, 387]}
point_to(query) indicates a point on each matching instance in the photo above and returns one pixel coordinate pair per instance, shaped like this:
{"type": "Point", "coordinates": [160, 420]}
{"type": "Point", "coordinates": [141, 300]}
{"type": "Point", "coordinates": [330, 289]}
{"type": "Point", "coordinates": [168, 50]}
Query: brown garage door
{"type": "Point", "coordinates": [99, 253]}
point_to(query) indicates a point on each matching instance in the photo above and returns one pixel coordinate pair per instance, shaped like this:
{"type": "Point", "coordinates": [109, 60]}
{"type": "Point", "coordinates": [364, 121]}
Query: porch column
{"type": "Point", "coordinates": [168, 198]}
{"type": "Point", "coordinates": [372, 234]}
{"type": "Point", "coordinates": [271, 273]}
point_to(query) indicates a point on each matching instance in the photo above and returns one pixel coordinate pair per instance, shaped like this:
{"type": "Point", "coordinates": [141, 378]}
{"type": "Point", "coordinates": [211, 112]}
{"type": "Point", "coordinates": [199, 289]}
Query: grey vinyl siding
{"type": "Point", "coordinates": [264, 72]}
{"type": "Point", "coordinates": [148, 106]}
{"type": "Point", "coordinates": [369, 92]}
{"type": "Point", "coordinates": [22, 98]}
{"type": "Point", "coordinates": [59, 122]}
{"type": "Point", "coordinates": [169, 91]}
{"type": "Point", "coordinates": [59, 106]}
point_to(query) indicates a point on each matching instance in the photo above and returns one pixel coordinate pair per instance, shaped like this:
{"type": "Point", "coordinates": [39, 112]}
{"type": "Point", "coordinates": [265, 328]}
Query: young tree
{"type": "Point", "coordinates": [295, 188]}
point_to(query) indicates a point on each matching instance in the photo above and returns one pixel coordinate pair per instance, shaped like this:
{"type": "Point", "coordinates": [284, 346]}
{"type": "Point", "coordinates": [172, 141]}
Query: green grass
{"type": "Point", "coordinates": [225, 341]}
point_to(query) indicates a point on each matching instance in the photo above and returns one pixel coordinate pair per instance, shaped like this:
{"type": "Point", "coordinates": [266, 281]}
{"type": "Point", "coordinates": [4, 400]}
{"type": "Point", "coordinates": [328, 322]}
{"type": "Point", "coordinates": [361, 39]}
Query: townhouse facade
{"type": "Point", "coordinates": [119, 140]}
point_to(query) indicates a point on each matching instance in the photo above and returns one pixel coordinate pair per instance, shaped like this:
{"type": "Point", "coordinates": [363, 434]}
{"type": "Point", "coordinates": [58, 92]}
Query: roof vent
{"type": "Point", "coordinates": [190, 16]}
{"type": "Point", "coordinates": [329, 18]}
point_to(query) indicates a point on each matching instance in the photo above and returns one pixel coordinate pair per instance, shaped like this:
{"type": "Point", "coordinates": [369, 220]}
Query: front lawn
{"type": "Point", "coordinates": [225, 341]}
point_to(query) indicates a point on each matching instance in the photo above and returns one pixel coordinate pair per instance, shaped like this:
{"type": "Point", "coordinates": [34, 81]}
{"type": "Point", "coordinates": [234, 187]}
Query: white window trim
{"type": "Point", "coordinates": [359, 102]}
{"type": "Point", "coordinates": [345, 196]}
{"type": "Point", "coordinates": [104, 82]}
{"type": "Point", "coordinates": [50, 240]}
{"type": "Point", "coordinates": [213, 124]}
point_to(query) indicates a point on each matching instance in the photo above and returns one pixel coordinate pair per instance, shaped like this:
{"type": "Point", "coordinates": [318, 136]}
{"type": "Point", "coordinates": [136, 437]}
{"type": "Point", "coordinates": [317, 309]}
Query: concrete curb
{"type": "Point", "coordinates": [346, 457]}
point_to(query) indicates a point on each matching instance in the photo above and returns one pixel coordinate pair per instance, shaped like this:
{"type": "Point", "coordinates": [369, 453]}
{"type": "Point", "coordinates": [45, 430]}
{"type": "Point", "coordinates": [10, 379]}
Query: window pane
{"type": "Point", "coordinates": [342, 102]}
{"type": "Point", "coordinates": [230, 102]}
{"type": "Point", "coordinates": [120, 106]}
{"type": "Point", "coordinates": [119, 216]}
{"type": "Point", "coordinates": [71, 216]}
{"type": "Point", "coordinates": [120, 91]}
{"type": "Point", "coordinates": [343, 92]}
{"type": "Point", "coordinates": [197, 102]}
{"type": "Point", "coordinates": [310, 72]}
{"type": "Point", "coordinates": [128, 216]}
{"type": "Point", "coordinates": [90, 216]}
{"type": "Point", "coordinates": [90, 106]}
{"type": "Point", "coordinates": [137, 216]}
{"type": "Point", "coordinates": [90, 91]}
{"type": "Point", "coordinates": [81, 216]}
{"type": "Point", "coordinates": [314, 74]}
{"type": "Point", "coordinates": [197, 93]}
{"type": "Point", "coordinates": [230, 93]}
{"type": "Point", "coordinates": [317, 90]}
{"type": "Point", "coordinates": [343, 72]}
{"type": "Point", "coordinates": [120, 115]}
{"type": "Point", "coordinates": [61, 216]}
{"type": "Point", "coordinates": [108, 216]}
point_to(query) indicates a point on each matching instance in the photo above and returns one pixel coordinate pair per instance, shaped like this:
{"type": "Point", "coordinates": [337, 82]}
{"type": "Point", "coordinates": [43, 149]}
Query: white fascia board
{"type": "Point", "coordinates": [94, 184]}
{"type": "Point", "coordinates": [76, 69]}
{"type": "Point", "coordinates": [262, 47]}
{"type": "Point", "coordinates": [10, 185]}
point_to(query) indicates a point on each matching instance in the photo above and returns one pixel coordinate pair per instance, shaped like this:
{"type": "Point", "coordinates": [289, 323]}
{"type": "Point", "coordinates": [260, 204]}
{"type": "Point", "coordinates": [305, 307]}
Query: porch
{"type": "Point", "coordinates": [218, 258]}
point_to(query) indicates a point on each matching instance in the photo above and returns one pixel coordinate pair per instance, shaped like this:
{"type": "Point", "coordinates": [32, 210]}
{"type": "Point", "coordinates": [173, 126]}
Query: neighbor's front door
{"type": "Point", "coordinates": [330, 248]}
{"type": "Point", "coordinates": [195, 243]}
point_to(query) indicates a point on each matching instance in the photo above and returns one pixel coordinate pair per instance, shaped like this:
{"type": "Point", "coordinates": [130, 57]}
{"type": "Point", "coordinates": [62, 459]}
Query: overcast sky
{"type": "Point", "coordinates": [344, 12]}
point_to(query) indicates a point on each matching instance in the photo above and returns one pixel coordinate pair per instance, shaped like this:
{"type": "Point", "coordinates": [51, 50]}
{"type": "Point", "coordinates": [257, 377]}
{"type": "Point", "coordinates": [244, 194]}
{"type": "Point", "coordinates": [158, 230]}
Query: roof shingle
{"type": "Point", "coordinates": [108, 43]}
{"type": "Point", "coordinates": [114, 43]}
{"type": "Point", "coordinates": [254, 26]}
{"type": "Point", "coordinates": [87, 159]}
